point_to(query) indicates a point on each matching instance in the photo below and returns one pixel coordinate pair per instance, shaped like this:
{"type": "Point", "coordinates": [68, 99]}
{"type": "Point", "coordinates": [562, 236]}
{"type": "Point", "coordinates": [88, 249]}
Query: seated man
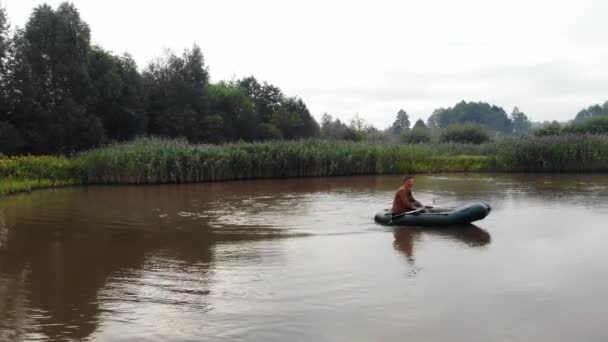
{"type": "Point", "coordinates": [404, 201]}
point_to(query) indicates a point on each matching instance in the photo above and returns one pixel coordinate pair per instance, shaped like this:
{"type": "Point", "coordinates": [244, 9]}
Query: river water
{"type": "Point", "coordinates": [302, 260]}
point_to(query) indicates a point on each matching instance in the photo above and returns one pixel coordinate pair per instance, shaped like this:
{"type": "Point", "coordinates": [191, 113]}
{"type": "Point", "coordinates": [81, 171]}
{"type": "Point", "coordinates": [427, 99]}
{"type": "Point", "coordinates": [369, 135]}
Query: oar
{"type": "Point", "coordinates": [409, 212]}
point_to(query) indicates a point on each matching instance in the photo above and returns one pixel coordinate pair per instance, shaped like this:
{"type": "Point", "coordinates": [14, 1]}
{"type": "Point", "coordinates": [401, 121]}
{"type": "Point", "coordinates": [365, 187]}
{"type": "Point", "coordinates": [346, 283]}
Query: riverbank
{"type": "Point", "coordinates": [159, 161]}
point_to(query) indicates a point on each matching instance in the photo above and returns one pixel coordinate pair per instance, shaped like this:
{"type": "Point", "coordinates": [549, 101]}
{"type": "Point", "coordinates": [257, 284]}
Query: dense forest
{"type": "Point", "coordinates": [59, 94]}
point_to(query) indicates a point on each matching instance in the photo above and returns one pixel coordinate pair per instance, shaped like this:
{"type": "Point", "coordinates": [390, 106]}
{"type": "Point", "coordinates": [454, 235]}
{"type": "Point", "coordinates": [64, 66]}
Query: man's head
{"type": "Point", "coordinates": [408, 181]}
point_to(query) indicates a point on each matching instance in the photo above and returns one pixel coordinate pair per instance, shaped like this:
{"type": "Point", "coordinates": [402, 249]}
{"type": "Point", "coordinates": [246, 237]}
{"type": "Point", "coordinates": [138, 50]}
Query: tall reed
{"type": "Point", "coordinates": [175, 161]}
{"type": "Point", "coordinates": [568, 153]}
{"type": "Point", "coordinates": [153, 161]}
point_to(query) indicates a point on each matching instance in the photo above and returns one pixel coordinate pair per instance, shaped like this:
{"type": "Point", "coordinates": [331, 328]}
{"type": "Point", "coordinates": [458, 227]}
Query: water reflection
{"type": "Point", "coordinates": [66, 254]}
{"type": "Point", "coordinates": [407, 238]}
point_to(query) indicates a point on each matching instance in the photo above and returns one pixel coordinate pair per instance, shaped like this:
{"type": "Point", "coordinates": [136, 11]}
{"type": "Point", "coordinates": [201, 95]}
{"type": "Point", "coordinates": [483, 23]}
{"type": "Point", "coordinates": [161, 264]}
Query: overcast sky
{"type": "Point", "coordinates": [548, 57]}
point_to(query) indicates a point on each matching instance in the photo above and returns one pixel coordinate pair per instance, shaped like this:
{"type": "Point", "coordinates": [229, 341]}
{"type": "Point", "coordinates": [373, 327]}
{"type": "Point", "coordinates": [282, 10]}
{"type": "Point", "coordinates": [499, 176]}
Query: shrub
{"type": "Point", "coordinates": [554, 128]}
{"type": "Point", "coordinates": [416, 136]}
{"type": "Point", "coordinates": [467, 133]}
{"type": "Point", "coordinates": [596, 125]}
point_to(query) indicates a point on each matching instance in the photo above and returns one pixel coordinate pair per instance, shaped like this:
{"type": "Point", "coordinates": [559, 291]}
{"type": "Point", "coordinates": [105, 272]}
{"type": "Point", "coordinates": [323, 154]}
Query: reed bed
{"type": "Point", "coordinates": [176, 161]}
{"type": "Point", "coordinates": [567, 153]}
{"type": "Point", "coordinates": [155, 161]}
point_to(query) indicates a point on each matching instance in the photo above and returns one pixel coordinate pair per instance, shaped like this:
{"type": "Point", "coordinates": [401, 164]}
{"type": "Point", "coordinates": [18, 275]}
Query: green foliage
{"type": "Point", "coordinates": [420, 125]}
{"type": "Point", "coordinates": [119, 100]}
{"type": "Point", "coordinates": [592, 112]}
{"type": "Point", "coordinates": [39, 167]}
{"type": "Point", "coordinates": [481, 113]}
{"type": "Point", "coordinates": [176, 161]}
{"type": "Point", "coordinates": [466, 133]}
{"type": "Point", "coordinates": [521, 124]}
{"type": "Point", "coordinates": [235, 107]}
{"type": "Point", "coordinates": [61, 94]}
{"type": "Point", "coordinates": [50, 87]}
{"type": "Point", "coordinates": [593, 125]}
{"type": "Point", "coordinates": [554, 128]}
{"type": "Point", "coordinates": [566, 153]}
{"type": "Point", "coordinates": [402, 122]}
{"type": "Point", "coordinates": [294, 120]}
{"type": "Point", "coordinates": [416, 136]}
{"type": "Point", "coordinates": [268, 131]}
{"type": "Point", "coordinates": [177, 98]}
{"type": "Point", "coordinates": [72, 129]}
{"type": "Point", "coordinates": [337, 130]}
{"type": "Point", "coordinates": [266, 97]}
{"type": "Point", "coordinates": [151, 160]}
{"type": "Point", "coordinates": [11, 186]}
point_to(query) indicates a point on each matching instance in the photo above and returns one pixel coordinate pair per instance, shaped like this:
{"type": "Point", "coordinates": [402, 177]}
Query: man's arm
{"type": "Point", "coordinates": [412, 201]}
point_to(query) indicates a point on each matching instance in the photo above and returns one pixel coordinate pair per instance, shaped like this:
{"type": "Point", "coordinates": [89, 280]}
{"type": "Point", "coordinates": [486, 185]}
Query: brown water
{"type": "Point", "coordinates": [286, 260]}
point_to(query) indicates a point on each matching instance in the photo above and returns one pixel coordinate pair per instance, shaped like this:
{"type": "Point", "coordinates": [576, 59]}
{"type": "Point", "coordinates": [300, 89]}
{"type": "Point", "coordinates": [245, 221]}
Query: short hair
{"type": "Point", "coordinates": [407, 178]}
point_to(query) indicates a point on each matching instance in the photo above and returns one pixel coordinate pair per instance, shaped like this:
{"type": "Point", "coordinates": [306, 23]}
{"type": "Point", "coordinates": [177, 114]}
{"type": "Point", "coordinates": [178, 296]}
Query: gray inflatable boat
{"type": "Point", "coordinates": [436, 216]}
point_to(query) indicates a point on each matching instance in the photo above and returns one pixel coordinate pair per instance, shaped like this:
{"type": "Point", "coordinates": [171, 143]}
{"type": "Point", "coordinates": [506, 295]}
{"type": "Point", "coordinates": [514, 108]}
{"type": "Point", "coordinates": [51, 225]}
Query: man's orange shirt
{"type": "Point", "coordinates": [404, 201]}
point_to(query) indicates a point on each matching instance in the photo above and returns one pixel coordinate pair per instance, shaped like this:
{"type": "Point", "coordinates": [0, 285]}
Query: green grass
{"type": "Point", "coordinates": [10, 186]}
{"type": "Point", "coordinates": [153, 161]}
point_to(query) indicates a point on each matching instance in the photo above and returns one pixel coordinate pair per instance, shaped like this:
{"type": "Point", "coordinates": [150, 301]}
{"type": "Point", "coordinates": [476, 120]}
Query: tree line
{"type": "Point", "coordinates": [59, 93]}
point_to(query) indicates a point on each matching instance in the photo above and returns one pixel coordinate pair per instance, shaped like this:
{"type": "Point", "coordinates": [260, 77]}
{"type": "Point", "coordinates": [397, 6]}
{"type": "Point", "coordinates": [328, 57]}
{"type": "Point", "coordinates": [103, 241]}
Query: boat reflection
{"type": "Point", "coordinates": [407, 238]}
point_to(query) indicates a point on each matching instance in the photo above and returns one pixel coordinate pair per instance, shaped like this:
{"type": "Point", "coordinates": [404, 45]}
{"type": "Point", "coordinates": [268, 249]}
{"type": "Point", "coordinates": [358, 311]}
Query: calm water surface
{"type": "Point", "coordinates": [302, 259]}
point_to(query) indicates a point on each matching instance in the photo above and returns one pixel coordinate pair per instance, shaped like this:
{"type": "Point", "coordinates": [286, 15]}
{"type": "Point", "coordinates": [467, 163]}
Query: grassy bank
{"type": "Point", "coordinates": [20, 174]}
{"type": "Point", "coordinates": [152, 161]}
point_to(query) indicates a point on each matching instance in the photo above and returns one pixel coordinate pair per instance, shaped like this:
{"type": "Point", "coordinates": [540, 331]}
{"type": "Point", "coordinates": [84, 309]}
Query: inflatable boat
{"type": "Point", "coordinates": [434, 217]}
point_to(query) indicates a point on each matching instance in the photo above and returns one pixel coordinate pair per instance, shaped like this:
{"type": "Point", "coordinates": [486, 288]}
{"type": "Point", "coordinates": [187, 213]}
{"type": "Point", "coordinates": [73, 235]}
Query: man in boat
{"type": "Point", "coordinates": [404, 201]}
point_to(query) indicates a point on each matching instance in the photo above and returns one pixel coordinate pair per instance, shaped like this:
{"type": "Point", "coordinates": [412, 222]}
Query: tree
{"type": "Point", "coordinates": [553, 128]}
{"type": "Point", "coordinates": [49, 81]}
{"type": "Point", "coordinates": [59, 94]}
{"type": "Point", "coordinates": [4, 51]}
{"type": "Point", "coordinates": [294, 119]}
{"type": "Point", "coordinates": [480, 113]}
{"type": "Point", "coordinates": [402, 122]}
{"type": "Point", "coordinates": [119, 100]}
{"type": "Point", "coordinates": [592, 111]}
{"type": "Point", "coordinates": [595, 125]}
{"type": "Point", "coordinates": [58, 50]}
{"type": "Point", "coordinates": [4, 41]}
{"type": "Point", "coordinates": [465, 133]}
{"type": "Point", "coordinates": [337, 130]}
{"type": "Point", "coordinates": [326, 121]}
{"type": "Point", "coordinates": [266, 98]}
{"type": "Point", "coordinates": [73, 129]}
{"type": "Point", "coordinates": [357, 123]}
{"type": "Point", "coordinates": [266, 131]}
{"type": "Point", "coordinates": [287, 114]}
{"type": "Point", "coordinates": [420, 125]}
{"type": "Point", "coordinates": [230, 102]}
{"type": "Point", "coordinates": [521, 124]}
{"type": "Point", "coordinates": [177, 96]}
{"type": "Point", "coordinates": [416, 136]}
